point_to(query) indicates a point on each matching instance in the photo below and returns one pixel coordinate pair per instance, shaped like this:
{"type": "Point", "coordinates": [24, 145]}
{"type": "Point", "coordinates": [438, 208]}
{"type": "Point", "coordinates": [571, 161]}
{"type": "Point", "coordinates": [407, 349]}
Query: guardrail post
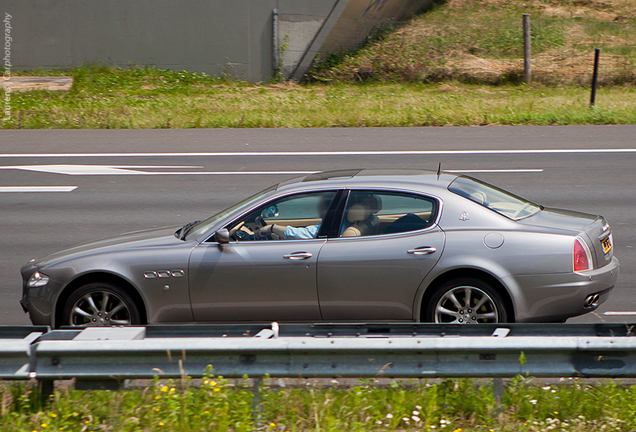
{"type": "Point", "coordinates": [45, 388]}
{"type": "Point", "coordinates": [257, 403]}
{"type": "Point", "coordinates": [497, 389]}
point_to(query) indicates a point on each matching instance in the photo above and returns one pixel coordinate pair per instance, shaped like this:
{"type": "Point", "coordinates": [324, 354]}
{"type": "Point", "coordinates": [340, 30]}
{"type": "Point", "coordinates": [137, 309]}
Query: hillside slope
{"type": "Point", "coordinates": [482, 41]}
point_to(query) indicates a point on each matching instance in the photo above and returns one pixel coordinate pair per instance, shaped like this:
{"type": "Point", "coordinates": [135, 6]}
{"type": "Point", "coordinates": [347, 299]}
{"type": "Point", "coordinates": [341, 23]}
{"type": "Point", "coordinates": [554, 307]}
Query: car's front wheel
{"type": "Point", "coordinates": [100, 304]}
{"type": "Point", "coordinates": [465, 301]}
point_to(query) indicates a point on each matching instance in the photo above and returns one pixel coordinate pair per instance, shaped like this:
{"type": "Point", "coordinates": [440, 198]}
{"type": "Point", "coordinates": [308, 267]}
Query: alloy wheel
{"type": "Point", "coordinates": [466, 305]}
{"type": "Point", "coordinates": [100, 308]}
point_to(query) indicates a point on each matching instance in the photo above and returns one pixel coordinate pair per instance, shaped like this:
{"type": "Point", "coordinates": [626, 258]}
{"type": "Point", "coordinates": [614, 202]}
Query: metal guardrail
{"type": "Point", "coordinates": [319, 350]}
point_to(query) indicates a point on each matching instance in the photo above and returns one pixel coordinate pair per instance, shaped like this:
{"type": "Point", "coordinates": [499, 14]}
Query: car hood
{"type": "Point", "coordinates": [134, 240]}
{"type": "Point", "coordinates": [552, 218]}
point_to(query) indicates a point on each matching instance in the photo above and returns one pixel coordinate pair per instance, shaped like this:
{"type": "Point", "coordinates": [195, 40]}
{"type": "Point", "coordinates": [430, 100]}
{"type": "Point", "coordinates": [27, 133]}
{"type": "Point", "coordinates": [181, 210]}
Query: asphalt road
{"type": "Point", "coordinates": [111, 182]}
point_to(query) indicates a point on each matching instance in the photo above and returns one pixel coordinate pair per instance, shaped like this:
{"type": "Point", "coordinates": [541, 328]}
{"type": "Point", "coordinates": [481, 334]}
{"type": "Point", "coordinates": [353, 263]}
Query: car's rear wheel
{"type": "Point", "coordinates": [466, 301]}
{"type": "Point", "coordinates": [100, 304]}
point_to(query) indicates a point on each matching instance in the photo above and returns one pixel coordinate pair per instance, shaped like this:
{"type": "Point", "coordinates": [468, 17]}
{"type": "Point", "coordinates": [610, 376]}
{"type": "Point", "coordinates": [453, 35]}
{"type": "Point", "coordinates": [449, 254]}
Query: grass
{"type": "Point", "coordinates": [103, 98]}
{"type": "Point", "coordinates": [218, 405]}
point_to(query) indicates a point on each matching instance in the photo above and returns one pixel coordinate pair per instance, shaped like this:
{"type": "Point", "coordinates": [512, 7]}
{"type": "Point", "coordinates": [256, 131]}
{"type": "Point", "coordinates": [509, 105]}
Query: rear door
{"type": "Point", "coordinates": [375, 275]}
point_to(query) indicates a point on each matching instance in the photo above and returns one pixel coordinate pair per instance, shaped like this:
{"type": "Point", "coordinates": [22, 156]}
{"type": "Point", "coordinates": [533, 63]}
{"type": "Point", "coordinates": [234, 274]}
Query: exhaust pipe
{"type": "Point", "coordinates": [591, 301]}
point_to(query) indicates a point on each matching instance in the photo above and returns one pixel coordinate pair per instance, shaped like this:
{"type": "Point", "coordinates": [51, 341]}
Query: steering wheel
{"type": "Point", "coordinates": [237, 227]}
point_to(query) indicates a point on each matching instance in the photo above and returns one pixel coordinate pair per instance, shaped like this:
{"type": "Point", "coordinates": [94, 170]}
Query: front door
{"type": "Point", "coordinates": [388, 244]}
{"type": "Point", "coordinates": [268, 270]}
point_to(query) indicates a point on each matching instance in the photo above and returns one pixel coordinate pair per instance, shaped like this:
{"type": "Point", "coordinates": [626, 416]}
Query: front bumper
{"type": "Point", "coordinates": [38, 301]}
{"type": "Point", "coordinates": [556, 297]}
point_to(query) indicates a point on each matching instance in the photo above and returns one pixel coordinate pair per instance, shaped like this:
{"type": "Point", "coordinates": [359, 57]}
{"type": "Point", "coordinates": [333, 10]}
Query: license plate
{"type": "Point", "coordinates": [607, 245]}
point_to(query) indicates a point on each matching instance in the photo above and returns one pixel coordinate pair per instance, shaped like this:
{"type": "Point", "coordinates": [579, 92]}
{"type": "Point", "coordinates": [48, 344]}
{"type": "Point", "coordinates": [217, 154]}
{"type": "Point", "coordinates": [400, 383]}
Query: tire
{"type": "Point", "coordinates": [93, 305]}
{"type": "Point", "coordinates": [447, 305]}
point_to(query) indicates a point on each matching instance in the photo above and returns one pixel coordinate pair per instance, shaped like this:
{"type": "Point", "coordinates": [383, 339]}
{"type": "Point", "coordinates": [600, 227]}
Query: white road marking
{"type": "Point", "coordinates": [620, 313]}
{"type": "Point", "coordinates": [37, 188]}
{"type": "Point", "coordinates": [126, 170]}
{"type": "Point", "coordinates": [322, 153]}
{"type": "Point", "coordinates": [91, 170]}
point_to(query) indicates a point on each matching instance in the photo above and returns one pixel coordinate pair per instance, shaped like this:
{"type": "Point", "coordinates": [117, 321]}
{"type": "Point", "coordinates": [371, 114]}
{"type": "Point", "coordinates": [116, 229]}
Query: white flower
{"type": "Point", "coordinates": [418, 407]}
{"type": "Point", "coordinates": [416, 412]}
{"type": "Point", "coordinates": [546, 387]}
{"type": "Point", "coordinates": [406, 419]}
{"type": "Point", "coordinates": [389, 416]}
{"type": "Point", "coordinates": [533, 401]}
{"type": "Point", "coordinates": [415, 418]}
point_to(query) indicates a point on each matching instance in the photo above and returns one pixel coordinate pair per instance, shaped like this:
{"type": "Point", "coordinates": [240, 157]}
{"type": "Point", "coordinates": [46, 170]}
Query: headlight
{"type": "Point", "coordinates": [38, 280]}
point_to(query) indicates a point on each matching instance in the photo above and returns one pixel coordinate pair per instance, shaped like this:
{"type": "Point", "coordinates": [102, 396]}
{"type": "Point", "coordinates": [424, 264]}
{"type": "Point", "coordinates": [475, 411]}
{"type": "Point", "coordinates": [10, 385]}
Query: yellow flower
{"type": "Point", "coordinates": [216, 389]}
{"type": "Point", "coordinates": [75, 414]}
{"type": "Point", "coordinates": [272, 424]}
{"type": "Point", "coordinates": [212, 383]}
{"type": "Point", "coordinates": [157, 397]}
{"type": "Point", "coordinates": [52, 415]}
{"type": "Point", "coordinates": [172, 389]}
{"type": "Point", "coordinates": [157, 410]}
{"type": "Point", "coordinates": [164, 389]}
{"type": "Point", "coordinates": [556, 412]}
{"type": "Point", "coordinates": [206, 412]}
{"type": "Point", "coordinates": [43, 425]}
{"type": "Point", "coordinates": [161, 423]}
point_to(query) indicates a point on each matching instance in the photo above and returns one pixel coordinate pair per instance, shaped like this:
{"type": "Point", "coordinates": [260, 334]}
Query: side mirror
{"type": "Point", "coordinates": [222, 236]}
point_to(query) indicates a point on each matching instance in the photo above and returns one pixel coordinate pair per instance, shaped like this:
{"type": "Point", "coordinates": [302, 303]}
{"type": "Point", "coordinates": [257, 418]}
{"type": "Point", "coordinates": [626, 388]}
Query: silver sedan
{"type": "Point", "coordinates": [357, 245]}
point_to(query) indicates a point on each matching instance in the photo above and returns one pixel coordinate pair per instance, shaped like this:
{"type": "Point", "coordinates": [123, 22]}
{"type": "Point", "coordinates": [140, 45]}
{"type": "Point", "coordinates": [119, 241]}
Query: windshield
{"type": "Point", "coordinates": [204, 227]}
{"type": "Point", "coordinates": [494, 198]}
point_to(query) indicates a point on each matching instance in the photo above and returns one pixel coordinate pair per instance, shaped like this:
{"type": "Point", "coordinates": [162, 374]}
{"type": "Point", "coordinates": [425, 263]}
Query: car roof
{"type": "Point", "coordinates": [370, 178]}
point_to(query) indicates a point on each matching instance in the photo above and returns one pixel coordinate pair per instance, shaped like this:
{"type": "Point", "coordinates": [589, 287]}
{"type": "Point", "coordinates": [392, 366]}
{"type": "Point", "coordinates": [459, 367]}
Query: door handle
{"type": "Point", "coordinates": [422, 250]}
{"type": "Point", "coordinates": [298, 256]}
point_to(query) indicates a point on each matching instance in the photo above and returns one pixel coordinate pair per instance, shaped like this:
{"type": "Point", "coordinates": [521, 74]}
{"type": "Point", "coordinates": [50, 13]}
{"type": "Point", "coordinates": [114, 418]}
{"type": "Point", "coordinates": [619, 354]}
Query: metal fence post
{"type": "Point", "coordinates": [275, 48]}
{"type": "Point", "coordinates": [527, 74]}
{"type": "Point", "coordinates": [597, 54]}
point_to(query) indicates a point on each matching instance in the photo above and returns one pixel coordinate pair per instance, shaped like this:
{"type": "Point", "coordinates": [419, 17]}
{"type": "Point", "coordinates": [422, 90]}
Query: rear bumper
{"type": "Point", "coordinates": [555, 297]}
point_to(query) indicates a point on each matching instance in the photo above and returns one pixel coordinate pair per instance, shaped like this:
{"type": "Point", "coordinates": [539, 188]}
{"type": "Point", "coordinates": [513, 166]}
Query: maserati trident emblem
{"type": "Point", "coordinates": [463, 217]}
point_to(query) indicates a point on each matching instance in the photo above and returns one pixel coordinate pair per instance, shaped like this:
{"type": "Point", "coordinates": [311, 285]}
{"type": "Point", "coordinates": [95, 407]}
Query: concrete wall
{"type": "Point", "coordinates": [211, 36]}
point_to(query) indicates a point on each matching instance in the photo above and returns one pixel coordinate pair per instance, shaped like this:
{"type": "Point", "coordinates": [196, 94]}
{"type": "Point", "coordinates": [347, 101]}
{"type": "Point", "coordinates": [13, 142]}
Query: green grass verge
{"type": "Point", "coordinates": [103, 98]}
{"type": "Point", "coordinates": [218, 405]}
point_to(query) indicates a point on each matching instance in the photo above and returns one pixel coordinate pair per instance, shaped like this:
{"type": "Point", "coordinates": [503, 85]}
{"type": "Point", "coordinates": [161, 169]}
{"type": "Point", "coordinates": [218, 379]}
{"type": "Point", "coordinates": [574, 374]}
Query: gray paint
{"type": "Point", "coordinates": [212, 36]}
{"type": "Point", "coordinates": [247, 280]}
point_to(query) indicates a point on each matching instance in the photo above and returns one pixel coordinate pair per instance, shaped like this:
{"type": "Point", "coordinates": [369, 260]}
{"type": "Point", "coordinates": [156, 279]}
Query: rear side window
{"type": "Point", "coordinates": [493, 198]}
{"type": "Point", "coordinates": [370, 213]}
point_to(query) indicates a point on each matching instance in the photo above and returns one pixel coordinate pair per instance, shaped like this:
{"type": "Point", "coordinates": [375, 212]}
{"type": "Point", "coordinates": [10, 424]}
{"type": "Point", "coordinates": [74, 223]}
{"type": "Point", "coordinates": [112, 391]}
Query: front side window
{"type": "Point", "coordinates": [370, 213]}
{"type": "Point", "coordinates": [297, 217]}
{"type": "Point", "coordinates": [494, 198]}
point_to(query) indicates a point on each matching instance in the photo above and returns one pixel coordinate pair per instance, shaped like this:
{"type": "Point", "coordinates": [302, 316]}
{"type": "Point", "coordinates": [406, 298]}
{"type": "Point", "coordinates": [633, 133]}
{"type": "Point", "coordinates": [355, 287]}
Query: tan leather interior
{"type": "Point", "coordinates": [294, 222]}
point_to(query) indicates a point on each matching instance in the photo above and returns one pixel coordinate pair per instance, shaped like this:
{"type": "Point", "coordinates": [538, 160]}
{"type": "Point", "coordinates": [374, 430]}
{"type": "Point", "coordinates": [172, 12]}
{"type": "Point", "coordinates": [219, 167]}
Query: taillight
{"type": "Point", "coordinates": [581, 259]}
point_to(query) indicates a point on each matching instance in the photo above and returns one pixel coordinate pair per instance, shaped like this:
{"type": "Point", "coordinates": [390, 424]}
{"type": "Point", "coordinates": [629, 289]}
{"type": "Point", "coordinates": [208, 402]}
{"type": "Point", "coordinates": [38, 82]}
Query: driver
{"type": "Point", "coordinates": [289, 232]}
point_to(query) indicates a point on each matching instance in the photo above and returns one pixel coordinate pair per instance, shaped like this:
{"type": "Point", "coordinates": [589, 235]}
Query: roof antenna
{"type": "Point", "coordinates": [439, 170]}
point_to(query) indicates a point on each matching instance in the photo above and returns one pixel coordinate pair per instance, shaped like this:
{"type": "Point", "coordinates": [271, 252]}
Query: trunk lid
{"type": "Point", "coordinates": [594, 230]}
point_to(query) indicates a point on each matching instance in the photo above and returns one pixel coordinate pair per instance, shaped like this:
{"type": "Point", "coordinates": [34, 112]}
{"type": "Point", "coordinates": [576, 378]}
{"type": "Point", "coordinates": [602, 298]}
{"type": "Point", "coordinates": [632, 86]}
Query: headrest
{"type": "Point", "coordinates": [374, 202]}
{"type": "Point", "coordinates": [358, 212]}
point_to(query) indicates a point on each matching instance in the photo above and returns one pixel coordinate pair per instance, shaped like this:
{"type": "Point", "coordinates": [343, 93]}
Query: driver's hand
{"type": "Point", "coordinates": [264, 232]}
